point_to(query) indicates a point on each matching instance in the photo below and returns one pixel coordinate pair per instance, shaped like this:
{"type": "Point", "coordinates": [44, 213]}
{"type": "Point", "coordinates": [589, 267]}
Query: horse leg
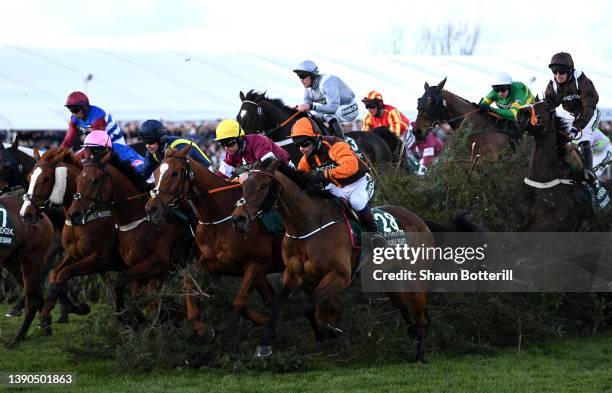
{"type": "Point", "coordinates": [252, 274]}
{"type": "Point", "coordinates": [15, 271]}
{"type": "Point", "coordinates": [60, 277]}
{"type": "Point", "coordinates": [193, 314]}
{"type": "Point", "coordinates": [290, 283]}
{"type": "Point", "coordinates": [32, 289]}
{"type": "Point", "coordinates": [328, 288]}
{"type": "Point", "coordinates": [413, 308]}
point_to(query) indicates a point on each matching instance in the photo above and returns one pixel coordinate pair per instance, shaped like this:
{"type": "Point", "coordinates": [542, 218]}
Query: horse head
{"type": "Point", "coordinates": [431, 108]}
{"type": "Point", "coordinates": [47, 185]}
{"type": "Point", "coordinates": [260, 190]}
{"type": "Point", "coordinates": [251, 116]}
{"type": "Point", "coordinates": [172, 182]}
{"type": "Point", "coordinates": [94, 190]}
{"type": "Point", "coordinates": [537, 118]}
{"type": "Point", "coordinates": [11, 169]}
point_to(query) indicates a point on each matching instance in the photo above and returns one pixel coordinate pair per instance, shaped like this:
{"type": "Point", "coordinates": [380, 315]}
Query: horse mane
{"type": "Point", "coordinates": [459, 97]}
{"type": "Point", "coordinates": [303, 181]}
{"type": "Point", "coordinates": [253, 95]}
{"type": "Point", "coordinates": [68, 158]}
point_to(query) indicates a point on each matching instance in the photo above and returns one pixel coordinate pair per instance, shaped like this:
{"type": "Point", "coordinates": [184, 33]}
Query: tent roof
{"type": "Point", "coordinates": [194, 86]}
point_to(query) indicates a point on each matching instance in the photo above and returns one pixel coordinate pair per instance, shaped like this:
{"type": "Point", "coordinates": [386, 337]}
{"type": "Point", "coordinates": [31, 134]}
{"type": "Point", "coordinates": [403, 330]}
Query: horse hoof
{"type": "Point", "coordinates": [16, 312]}
{"type": "Point", "coordinates": [62, 319]}
{"type": "Point", "coordinates": [81, 309]}
{"type": "Point", "coordinates": [263, 351]}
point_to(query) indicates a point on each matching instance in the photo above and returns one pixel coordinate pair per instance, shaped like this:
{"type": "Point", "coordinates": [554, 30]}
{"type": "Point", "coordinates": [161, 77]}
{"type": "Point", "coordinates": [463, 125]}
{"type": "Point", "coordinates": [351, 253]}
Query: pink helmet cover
{"type": "Point", "coordinates": [98, 138]}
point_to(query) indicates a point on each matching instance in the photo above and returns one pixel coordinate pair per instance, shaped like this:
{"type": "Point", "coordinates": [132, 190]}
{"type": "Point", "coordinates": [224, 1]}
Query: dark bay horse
{"type": "Point", "coordinates": [271, 117]}
{"type": "Point", "coordinates": [14, 166]}
{"type": "Point", "coordinates": [552, 185]}
{"type": "Point", "coordinates": [53, 183]}
{"type": "Point", "coordinates": [25, 256]}
{"type": "Point", "coordinates": [318, 253]}
{"type": "Point", "coordinates": [438, 106]}
{"type": "Point", "coordinates": [180, 180]}
{"type": "Point", "coordinates": [149, 250]}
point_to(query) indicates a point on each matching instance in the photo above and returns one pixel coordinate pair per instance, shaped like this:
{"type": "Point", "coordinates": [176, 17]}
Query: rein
{"type": "Point", "coordinates": [260, 114]}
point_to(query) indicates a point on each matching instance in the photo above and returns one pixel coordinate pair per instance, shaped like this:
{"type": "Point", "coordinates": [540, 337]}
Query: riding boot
{"type": "Point", "coordinates": [336, 128]}
{"type": "Point", "coordinates": [369, 225]}
{"type": "Point", "coordinates": [587, 160]}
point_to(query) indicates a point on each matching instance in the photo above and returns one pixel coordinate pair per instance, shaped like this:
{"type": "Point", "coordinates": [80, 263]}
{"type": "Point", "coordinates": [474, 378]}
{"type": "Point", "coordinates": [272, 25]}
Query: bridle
{"type": "Point", "coordinates": [261, 118]}
{"type": "Point", "coordinates": [93, 209]}
{"type": "Point", "coordinates": [435, 113]}
{"type": "Point", "coordinates": [40, 209]}
{"type": "Point", "coordinates": [13, 175]}
{"type": "Point", "coordinates": [272, 195]}
{"type": "Point", "coordinates": [186, 174]}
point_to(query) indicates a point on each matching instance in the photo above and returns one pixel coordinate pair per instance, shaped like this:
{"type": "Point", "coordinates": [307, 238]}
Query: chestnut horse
{"type": "Point", "coordinates": [53, 183]}
{"type": "Point", "coordinates": [24, 254]}
{"type": "Point", "coordinates": [148, 250]}
{"type": "Point", "coordinates": [320, 257]}
{"type": "Point", "coordinates": [438, 106]}
{"type": "Point", "coordinates": [180, 180]}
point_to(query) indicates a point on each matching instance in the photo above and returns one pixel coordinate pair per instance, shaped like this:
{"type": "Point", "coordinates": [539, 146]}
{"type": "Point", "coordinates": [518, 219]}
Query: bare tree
{"type": "Point", "coordinates": [397, 39]}
{"type": "Point", "coordinates": [450, 38]}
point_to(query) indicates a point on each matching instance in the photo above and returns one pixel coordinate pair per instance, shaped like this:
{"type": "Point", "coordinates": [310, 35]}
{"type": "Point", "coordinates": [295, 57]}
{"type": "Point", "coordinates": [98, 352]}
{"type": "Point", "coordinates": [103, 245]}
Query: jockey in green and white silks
{"type": "Point", "coordinates": [508, 95]}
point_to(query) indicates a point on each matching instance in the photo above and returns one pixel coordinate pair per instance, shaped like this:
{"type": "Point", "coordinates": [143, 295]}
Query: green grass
{"type": "Point", "coordinates": [571, 365]}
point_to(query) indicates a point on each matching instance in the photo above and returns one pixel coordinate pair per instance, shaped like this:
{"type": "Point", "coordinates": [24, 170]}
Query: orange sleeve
{"type": "Point", "coordinates": [367, 123]}
{"type": "Point", "coordinates": [395, 122]}
{"type": "Point", "coordinates": [303, 165]}
{"type": "Point", "coordinates": [348, 163]}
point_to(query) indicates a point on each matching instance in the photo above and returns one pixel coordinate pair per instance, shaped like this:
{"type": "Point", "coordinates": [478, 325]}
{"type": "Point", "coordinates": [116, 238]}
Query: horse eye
{"type": "Point", "coordinates": [429, 100]}
{"type": "Point", "coordinates": [95, 180]}
{"type": "Point", "coordinates": [264, 186]}
{"type": "Point", "coordinates": [174, 174]}
{"type": "Point", "coordinates": [45, 179]}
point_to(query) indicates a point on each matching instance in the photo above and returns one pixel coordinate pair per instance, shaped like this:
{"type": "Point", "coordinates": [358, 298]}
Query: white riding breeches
{"type": "Point", "coordinates": [358, 193]}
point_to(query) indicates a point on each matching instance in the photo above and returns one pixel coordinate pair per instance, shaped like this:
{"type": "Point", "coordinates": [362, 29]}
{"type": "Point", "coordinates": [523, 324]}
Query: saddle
{"type": "Point", "coordinates": [508, 127]}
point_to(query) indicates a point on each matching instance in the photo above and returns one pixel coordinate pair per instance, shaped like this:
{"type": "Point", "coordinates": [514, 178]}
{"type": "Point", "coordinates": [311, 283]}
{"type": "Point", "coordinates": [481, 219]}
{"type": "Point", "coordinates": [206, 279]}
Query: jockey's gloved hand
{"type": "Point", "coordinates": [422, 170]}
{"type": "Point", "coordinates": [574, 131]}
{"type": "Point", "coordinates": [484, 107]}
{"type": "Point", "coordinates": [317, 177]}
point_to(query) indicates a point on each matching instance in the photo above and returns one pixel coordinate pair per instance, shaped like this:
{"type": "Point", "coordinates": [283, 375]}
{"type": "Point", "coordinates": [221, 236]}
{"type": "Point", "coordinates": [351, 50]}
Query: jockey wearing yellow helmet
{"type": "Point", "coordinates": [243, 151]}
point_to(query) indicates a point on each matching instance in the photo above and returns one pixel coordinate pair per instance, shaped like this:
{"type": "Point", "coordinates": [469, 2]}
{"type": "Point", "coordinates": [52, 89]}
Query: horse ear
{"type": "Point", "coordinates": [426, 86]}
{"type": "Point", "coordinates": [36, 154]}
{"type": "Point", "coordinates": [184, 151]}
{"type": "Point", "coordinates": [106, 158]}
{"type": "Point", "coordinates": [15, 144]}
{"type": "Point", "coordinates": [441, 84]}
{"type": "Point", "coordinates": [242, 97]}
{"type": "Point", "coordinates": [270, 165]}
{"type": "Point", "coordinates": [537, 98]}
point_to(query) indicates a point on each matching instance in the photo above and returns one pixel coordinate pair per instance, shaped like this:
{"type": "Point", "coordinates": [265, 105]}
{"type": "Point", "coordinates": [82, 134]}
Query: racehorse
{"type": "Point", "coordinates": [180, 180]}
{"type": "Point", "coordinates": [318, 253]}
{"type": "Point", "coordinates": [53, 182]}
{"type": "Point", "coordinates": [24, 251]}
{"type": "Point", "coordinates": [148, 250]}
{"type": "Point", "coordinates": [15, 164]}
{"type": "Point", "coordinates": [271, 117]}
{"type": "Point", "coordinates": [438, 106]}
{"type": "Point", "coordinates": [552, 185]}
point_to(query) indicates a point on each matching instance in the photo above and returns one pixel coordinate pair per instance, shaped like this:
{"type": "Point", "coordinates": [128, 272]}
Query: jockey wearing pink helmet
{"type": "Point", "coordinates": [98, 143]}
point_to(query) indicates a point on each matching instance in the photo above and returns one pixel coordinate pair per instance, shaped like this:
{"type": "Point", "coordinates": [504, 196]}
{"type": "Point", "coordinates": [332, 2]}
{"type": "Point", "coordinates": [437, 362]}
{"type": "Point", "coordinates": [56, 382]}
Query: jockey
{"type": "Point", "coordinates": [87, 117]}
{"type": "Point", "coordinates": [426, 150]}
{"type": "Point", "coordinates": [327, 95]}
{"type": "Point", "coordinates": [383, 115]}
{"type": "Point", "coordinates": [97, 143]}
{"type": "Point", "coordinates": [243, 151]}
{"type": "Point", "coordinates": [509, 97]}
{"type": "Point", "coordinates": [330, 160]}
{"type": "Point", "coordinates": [153, 134]}
{"type": "Point", "coordinates": [571, 89]}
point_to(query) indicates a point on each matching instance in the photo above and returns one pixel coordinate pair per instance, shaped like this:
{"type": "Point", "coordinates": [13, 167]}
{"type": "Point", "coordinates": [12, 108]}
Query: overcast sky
{"type": "Point", "coordinates": [327, 27]}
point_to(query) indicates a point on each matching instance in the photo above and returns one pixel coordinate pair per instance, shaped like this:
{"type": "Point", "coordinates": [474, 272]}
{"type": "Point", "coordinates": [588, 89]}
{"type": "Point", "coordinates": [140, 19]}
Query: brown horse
{"type": "Point", "coordinates": [320, 260]}
{"type": "Point", "coordinates": [180, 180]}
{"type": "Point", "coordinates": [148, 250]}
{"type": "Point", "coordinates": [25, 256]}
{"type": "Point", "coordinates": [438, 106]}
{"type": "Point", "coordinates": [53, 183]}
